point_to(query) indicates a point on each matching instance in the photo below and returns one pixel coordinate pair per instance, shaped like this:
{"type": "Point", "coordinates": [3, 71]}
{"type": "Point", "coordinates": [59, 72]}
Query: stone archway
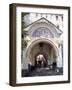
{"type": "Point", "coordinates": [35, 44]}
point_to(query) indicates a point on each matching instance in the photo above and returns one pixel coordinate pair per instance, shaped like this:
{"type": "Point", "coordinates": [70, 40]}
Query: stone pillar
{"type": "Point", "coordinates": [25, 61]}
{"type": "Point", "coordinates": [52, 55]}
{"type": "Point", "coordinates": [50, 61]}
{"type": "Point", "coordinates": [59, 58]}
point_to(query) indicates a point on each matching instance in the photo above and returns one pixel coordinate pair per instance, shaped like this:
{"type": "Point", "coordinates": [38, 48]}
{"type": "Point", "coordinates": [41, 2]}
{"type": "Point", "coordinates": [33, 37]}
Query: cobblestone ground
{"type": "Point", "coordinates": [42, 72]}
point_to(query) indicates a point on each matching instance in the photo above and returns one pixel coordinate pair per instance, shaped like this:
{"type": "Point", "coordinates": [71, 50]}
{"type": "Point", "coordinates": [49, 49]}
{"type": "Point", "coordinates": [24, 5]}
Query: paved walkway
{"type": "Point", "coordinates": [42, 72]}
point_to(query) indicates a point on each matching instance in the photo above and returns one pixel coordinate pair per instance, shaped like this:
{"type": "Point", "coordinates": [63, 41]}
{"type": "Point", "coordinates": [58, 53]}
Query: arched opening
{"type": "Point", "coordinates": [42, 53]}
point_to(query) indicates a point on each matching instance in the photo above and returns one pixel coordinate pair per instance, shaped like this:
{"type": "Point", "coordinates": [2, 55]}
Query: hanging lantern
{"type": "Point", "coordinates": [41, 44]}
{"type": "Point", "coordinates": [62, 18]}
{"type": "Point", "coordinates": [56, 17]}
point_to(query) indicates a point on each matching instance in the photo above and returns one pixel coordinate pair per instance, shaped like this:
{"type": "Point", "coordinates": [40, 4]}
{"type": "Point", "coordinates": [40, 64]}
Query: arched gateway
{"type": "Point", "coordinates": [44, 44]}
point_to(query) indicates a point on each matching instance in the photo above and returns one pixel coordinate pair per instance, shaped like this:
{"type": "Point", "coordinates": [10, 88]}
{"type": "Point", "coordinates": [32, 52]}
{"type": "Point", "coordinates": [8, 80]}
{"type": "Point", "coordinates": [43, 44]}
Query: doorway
{"type": "Point", "coordinates": [41, 60]}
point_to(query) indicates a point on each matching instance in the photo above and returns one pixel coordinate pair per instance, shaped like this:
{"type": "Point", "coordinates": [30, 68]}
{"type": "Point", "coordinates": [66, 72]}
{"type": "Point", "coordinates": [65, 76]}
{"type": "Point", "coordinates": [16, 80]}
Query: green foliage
{"type": "Point", "coordinates": [24, 43]}
{"type": "Point", "coordinates": [22, 20]}
{"type": "Point", "coordinates": [24, 33]}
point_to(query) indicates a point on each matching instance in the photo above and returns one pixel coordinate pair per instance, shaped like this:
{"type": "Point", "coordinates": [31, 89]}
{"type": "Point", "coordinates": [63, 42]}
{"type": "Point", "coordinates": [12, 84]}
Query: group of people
{"type": "Point", "coordinates": [42, 62]}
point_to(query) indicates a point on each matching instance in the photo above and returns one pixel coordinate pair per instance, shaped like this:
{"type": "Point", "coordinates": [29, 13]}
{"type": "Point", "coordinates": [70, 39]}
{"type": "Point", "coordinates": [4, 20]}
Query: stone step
{"type": "Point", "coordinates": [43, 72]}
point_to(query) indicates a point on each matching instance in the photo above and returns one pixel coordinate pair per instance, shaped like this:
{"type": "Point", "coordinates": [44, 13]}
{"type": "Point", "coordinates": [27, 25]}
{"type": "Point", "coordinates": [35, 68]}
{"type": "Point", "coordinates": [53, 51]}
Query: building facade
{"type": "Point", "coordinates": [45, 40]}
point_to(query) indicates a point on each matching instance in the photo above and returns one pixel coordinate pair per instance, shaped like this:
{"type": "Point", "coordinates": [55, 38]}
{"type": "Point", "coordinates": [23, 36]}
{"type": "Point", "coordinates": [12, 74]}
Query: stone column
{"type": "Point", "coordinates": [51, 57]}
{"type": "Point", "coordinates": [25, 61]}
{"type": "Point", "coordinates": [59, 58]}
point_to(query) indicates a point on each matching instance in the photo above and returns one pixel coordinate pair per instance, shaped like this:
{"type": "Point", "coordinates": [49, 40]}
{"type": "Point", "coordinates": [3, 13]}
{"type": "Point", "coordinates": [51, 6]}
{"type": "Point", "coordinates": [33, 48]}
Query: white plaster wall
{"type": "Point", "coordinates": [52, 18]}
